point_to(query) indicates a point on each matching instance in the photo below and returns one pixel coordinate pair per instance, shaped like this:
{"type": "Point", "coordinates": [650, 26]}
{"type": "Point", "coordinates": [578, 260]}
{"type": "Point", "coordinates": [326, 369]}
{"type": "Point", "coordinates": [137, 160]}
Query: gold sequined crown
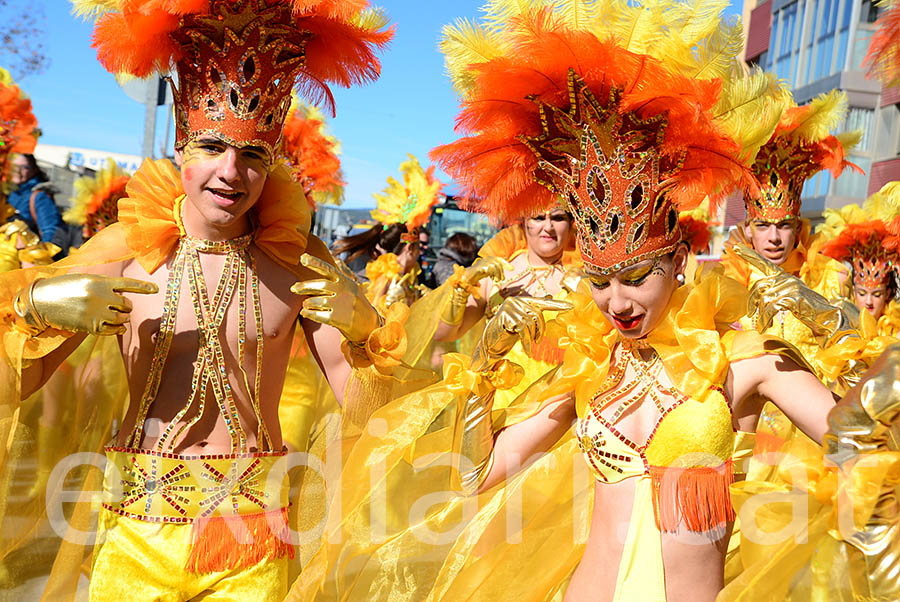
{"type": "Point", "coordinates": [607, 168]}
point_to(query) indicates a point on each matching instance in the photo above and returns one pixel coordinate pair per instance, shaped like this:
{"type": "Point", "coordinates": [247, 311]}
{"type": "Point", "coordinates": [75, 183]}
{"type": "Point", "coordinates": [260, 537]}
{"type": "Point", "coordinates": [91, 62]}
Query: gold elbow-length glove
{"type": "Point", "coordinates": [864, 423]}
{"type": "Point", "coordinates": [336, 300]}
{"type": "Point", "coordinates": [779, 291]}
{"type": "Point", "coordinates": [485, 267]}
{"type": "Point", "coordinates": [78, 303]}
{"type": "Point", "coordinates": [518, 318]}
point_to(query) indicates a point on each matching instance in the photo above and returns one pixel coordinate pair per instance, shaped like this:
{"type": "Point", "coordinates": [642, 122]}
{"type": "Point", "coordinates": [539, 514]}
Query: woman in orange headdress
{"type": "Point", "coordinates": [628, 125]}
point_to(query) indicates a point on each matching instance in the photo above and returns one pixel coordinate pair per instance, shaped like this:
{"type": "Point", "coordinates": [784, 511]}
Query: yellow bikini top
{"type": "Point", "coordinates": [688, 433]}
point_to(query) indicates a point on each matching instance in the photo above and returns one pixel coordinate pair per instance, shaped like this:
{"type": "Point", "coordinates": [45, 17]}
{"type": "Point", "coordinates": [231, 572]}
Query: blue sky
{"type": "Point", "coordinates": [410, 109]}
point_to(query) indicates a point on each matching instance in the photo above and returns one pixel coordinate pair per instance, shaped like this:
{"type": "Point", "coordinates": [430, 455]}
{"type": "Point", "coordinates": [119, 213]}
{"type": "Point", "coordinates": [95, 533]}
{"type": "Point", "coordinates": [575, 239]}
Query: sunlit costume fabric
{"type": "Point", "coordinates": [561, 104]}
{"type": "Point", "coordinates": [800, 147]}
{"type": "Point", "coordinates": [180, 525]}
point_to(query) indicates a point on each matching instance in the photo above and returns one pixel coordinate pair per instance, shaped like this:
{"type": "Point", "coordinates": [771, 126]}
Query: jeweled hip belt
{"type": "Point", "coordinates": [172, 488]}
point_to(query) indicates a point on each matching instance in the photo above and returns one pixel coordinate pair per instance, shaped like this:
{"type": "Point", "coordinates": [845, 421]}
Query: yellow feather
{"type": "Point", "coordinates": [577, 14]}
{"type": "Point", "coordinates": [715, 54]}
{"type": "Point", "coordinates": [636, 28]}
{"type": "Point", "coordinates": [91, 10]}
{"type": "Point", "coordinates": [750, 108]}
{"type": "Point", "coordinates": [374, 19]}
{"type": "Point", "coordinates": [466, 44]}
{"type": "Point", "coordinates": [401, 202]}
{"type": "Point", "coordinates": [498, 12]}
{"type": "Point", "coordinates": [849, 139]}
{"type": "Point", "coordinates": [826, 113]}
{"type": "Point", "coordinates": [885, 204]}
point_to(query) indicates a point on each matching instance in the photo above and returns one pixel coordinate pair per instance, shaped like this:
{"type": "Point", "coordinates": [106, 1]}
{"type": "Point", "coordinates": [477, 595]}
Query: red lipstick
{"type": "Point", "coordinates": [628, 323]}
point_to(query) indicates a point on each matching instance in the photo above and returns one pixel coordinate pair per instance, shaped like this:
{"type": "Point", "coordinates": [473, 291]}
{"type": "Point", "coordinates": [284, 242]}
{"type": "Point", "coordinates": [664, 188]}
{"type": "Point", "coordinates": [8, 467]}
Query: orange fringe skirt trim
{"type": "Point", "coordinates": [700, 497]}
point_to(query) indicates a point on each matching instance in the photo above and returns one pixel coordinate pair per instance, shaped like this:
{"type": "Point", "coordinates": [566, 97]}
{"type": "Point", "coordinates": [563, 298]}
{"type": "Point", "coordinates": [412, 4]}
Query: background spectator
{"type": "Point", "coordinates": [30, 198]}
{"type": "Point", "coordinates": [460, 249]}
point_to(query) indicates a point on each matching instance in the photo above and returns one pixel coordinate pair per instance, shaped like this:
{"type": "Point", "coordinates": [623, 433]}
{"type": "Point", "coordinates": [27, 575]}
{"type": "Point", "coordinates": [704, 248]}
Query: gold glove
{"type": "Point", "coordinates": [78, 303]}
{"type": "Point", "coordinates": [39, 254]}
{"type": "Point", "coordinates": [486, 267]}
{"type": "Point", "coordinates": [864, 421]}
{"type": "Point", "coordinates": [20, 229]}
{"type": "Point", "coordinates": [829, 322]}
{"type": "Point", "coordinates": [336, 300]}
{"type": "Point", "coordinates": [519, 318]}
{"type": "Point", "coordinates": [397, 290]}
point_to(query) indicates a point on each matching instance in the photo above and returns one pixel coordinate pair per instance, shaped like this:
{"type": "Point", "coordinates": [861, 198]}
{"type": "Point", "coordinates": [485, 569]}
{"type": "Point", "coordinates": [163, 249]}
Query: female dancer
{"type": "Point", "coordinates": [627, 125]}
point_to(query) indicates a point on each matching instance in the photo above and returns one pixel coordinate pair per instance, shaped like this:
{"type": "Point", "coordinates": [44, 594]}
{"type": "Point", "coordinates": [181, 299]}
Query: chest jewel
{"type": "Point", "coordinates": [210, 372]}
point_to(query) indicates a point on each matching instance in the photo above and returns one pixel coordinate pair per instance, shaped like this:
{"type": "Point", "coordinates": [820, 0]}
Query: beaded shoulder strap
{"type": "Point", "coordinates": [209, 370]}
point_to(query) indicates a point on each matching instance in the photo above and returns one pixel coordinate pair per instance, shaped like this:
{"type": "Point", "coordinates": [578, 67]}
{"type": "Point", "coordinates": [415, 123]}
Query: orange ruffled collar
{"type": "Point", "coordinates": [688, 339]}
{"type": "Point", "coordinates": [149, 215]}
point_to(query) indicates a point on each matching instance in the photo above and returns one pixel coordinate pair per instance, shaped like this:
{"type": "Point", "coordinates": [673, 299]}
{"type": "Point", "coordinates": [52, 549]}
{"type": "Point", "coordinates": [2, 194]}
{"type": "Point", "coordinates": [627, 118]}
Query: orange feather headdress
{"type": "Point", "coordinates": [627, 113]}
{"type": "Point", "coordinates": [312, 155]}
{"type": "Point", "coordinates": [801, 146]}
{"type": "Point", "coordinates": [238, 60]}
{"type": "Point", "coordinates": [18, 125]}
{"type": "Point", "coordinates": [96, 199]}
{"type": "Point", "coordinates": [866, 237]}
{"type": "Point", "coordinates": [883, 58]}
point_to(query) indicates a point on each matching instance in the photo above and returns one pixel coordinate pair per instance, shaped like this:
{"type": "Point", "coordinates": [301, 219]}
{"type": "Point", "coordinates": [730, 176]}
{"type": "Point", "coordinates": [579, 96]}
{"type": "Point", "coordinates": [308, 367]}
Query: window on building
{"type": "Point", "coordinates": [861, 42]}
{"type": "Point", "coordinates": [788, 38]}
{"type": "Point", "coordinates": [844, 33]}
{"type": "Point", "coordinates": [825, 39]}
{"type": "Point", "coordinates": [852, 183]}
{"type": "Point", "coordinates": [863, 120]}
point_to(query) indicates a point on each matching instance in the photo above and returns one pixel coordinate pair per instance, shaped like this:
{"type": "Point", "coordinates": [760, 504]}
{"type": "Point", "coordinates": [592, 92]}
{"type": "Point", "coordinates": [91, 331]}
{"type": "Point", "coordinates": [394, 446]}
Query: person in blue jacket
{"type": "Point", "coordinates": [41, 215]}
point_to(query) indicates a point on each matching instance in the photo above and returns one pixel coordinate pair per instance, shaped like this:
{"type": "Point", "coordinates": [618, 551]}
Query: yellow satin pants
{"type": "Point", "coordinates": [143, 561]}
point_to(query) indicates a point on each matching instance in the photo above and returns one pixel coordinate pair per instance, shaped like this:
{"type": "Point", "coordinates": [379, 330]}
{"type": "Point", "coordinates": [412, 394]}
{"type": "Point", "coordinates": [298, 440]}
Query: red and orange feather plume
{"type": "Point", "coordinates": [312, 155]}
{"type": "Point", "coordinates": [883, 58]}
{"type": "Point", "coordinates": [343, 38]}
{"type": "Point", "coordinates": [500, 107]}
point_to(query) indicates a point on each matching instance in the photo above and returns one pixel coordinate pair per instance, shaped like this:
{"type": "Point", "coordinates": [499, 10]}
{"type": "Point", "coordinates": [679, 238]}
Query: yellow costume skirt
{"type": "Point", "coordinates": [177, 527]}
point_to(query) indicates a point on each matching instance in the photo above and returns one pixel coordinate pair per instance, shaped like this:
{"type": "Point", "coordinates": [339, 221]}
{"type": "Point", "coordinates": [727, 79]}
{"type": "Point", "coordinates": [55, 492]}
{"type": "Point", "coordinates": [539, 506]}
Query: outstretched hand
{"type": "Point", "coordinates": [518, 319]}
{"type": "Point", "coordinates": [336, 300]}
{"type": "Point", "coordinates": [81, 303]}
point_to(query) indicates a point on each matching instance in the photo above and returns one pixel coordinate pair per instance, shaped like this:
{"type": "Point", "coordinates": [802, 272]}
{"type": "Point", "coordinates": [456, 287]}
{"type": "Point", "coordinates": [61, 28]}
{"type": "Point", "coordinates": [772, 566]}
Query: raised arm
{"type": "Point", "coordinates": [481, 459]}
{"type": "Point", "coordinates": [464, 309]}
{"type": "Point", "coordinates": [796, 391]}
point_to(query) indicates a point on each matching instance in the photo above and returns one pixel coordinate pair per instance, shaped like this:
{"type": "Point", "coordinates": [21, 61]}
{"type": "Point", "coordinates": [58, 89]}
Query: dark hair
{"type": "Point", "coordinates": [463, 245]}
{"type": "Point", "coordinates": [33, 166]}
{"type": "Point", "coordinates": [365, 243]}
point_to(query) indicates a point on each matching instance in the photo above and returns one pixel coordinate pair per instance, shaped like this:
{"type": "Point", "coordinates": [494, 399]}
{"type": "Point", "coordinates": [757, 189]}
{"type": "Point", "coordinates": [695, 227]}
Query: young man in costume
{"type": "Point", "coordinates": [800, 147]}
{"type": "Point", "coordinates": [196, 279]}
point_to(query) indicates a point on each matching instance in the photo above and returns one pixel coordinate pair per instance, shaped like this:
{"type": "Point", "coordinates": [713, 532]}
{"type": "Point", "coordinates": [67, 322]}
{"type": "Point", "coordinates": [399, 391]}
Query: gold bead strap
{"type": "Point", "coordinates": [209, 369]}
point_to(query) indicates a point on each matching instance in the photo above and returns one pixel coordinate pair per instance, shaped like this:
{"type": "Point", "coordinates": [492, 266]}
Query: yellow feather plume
{"type": "Point", "coordinates": [466, 43]}
{"type": "Point", "coordinates": [885, 204]}
{"type": "Point", "coordinates": [91, 191]}
{"type": "Point", "coordinates": [408, 202]}
{"type": "Point", "coordinates": [826, 113]}
{"type": "Point", "coordinates": [92, 9]}
{"type": "Point", "coordinates": [750, 108]}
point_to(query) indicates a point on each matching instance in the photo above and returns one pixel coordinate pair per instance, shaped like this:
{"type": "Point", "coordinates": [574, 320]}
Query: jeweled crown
{"type": "Point", "coordinates": [606, 167]}
{"type": "Point", "coordinates": [238, 66]}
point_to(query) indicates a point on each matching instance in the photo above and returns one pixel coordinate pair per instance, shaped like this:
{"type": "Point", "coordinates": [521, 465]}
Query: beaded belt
{"type": "Point", "coordinates": [171, 488]}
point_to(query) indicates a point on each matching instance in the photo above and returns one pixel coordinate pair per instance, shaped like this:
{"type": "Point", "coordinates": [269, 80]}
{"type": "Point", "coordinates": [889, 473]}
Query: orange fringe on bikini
{"type": "Point", "coordinates": [699, 497]}
{"type": "Point", "coordinates": [223, 543]}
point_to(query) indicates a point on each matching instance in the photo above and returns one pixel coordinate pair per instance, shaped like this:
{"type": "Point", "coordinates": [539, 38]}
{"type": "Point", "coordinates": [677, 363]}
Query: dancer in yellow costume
{"type": "Point", "coordinates": [800, 147]}
{"type": "Point", "coordinates": [653, 375]}
{"type": "Point", "coordinates": [199, 278]}
{"type": "Point", "coordinates": [862, 238]}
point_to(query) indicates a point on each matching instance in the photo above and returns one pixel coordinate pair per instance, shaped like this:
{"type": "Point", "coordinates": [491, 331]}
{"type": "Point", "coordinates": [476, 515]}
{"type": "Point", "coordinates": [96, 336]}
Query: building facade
{"type": "Point", "coordinates": [816, 46]}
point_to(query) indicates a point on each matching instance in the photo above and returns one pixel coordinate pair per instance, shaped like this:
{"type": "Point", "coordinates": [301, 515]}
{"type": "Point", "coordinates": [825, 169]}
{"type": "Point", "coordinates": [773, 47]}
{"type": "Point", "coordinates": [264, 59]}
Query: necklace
{"type": "Point", "coordinates": [209, 369]}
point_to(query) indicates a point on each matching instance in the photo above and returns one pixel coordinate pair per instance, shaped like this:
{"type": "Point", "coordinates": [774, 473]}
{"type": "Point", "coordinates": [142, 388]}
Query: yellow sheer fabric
{"type": "Point", "coordinates": [398, 534]}
{"type": "Point", "coordinates": [88, 395]}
